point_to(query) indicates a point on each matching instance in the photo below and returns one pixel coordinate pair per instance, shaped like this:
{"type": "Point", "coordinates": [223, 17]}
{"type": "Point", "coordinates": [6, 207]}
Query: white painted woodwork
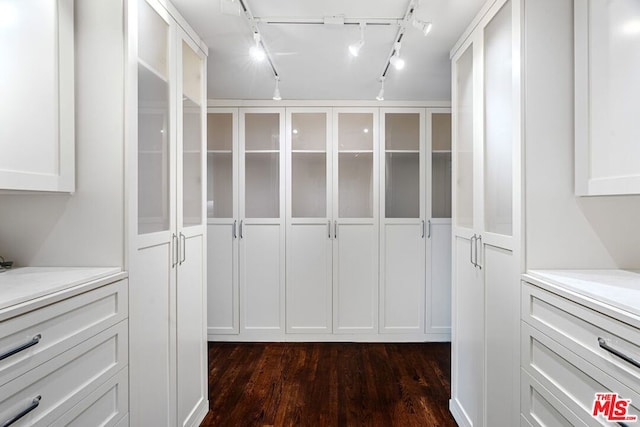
{"type": "Point", "coordinates": [168, 244]}
{"type": "Point", "coordinates": [486, 224]}
{"type": "Point", "coordinates": [222, 283]}
{"type": "Point", "coordinates": [355, 284]}
{"type": "Point", "coordinates": [438, 298]}
{"type": "Point", "coordinates": [37, 155]}
{"type": "Point", "coordinates": [606, 96]}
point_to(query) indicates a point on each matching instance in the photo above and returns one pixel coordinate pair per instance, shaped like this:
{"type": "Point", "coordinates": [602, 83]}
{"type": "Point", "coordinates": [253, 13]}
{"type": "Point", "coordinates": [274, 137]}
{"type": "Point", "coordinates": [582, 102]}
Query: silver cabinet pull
{"type": "Point", "coordinates": [423, 228]}
{"type": "Point", "coordinates": [478, 239]}
{"type": "Point", "coordinates": [329, 228]}
{"type": "Point", "coordinates": [235, 234]}
{"type": "Point", "coordinates": [471, 246]}
{"type": "Point", "coordinates": [183, 248]}
{"type": "Point", "coordinates": [429, 229]}
{"type": "Point", "coordinates": [603, 344]}
{"type": "Point", "coordinates": [241, 232]}
{"type": "Point", "coordinates": [33, 405]}
{"type": "Point", "coordinates": [35, 340]}
{"type": "Point", "coordinates": [335, 229]}
{"type": "Point", "coordinates": [174, 250]}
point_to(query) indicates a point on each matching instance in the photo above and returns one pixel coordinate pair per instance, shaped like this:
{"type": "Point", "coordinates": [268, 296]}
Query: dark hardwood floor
{"type": "Point", "coordinates": [329, 384]}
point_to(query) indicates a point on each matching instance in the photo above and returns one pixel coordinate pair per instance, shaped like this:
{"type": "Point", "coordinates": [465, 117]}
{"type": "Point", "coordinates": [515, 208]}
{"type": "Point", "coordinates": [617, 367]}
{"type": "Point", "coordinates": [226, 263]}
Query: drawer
{"type": "Point", "coordinates": [540, 408]}
{"type": "Point", "coordinates": [107, 406]}
{"type": "Point", "coordinates": [65, 380]}
{"type": "Point", "coordinates": [568, 377]}
{"type": "Point", "coordinates": [579, 328]}
{"type": "Point", "coordinates": [59, 327]}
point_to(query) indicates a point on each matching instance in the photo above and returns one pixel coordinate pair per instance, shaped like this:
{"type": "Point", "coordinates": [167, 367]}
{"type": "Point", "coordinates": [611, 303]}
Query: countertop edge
{"type": "Point", "coordinates": [565, 291]}
{"type": "Point", "coordinates": [59, 295]}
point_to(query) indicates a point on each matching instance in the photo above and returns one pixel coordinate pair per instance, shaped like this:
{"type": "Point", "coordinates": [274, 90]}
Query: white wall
{"type": "Point", "coordinates": [86, 228]}
{"type": "Point", "coordinates": [564, 231]}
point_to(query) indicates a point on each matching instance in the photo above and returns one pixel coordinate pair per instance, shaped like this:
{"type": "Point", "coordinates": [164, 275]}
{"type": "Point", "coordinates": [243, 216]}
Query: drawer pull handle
{"type": "Point", "coordinates": [603, 344]}
{"type": "Point", "coordinates": [35, 340]}
{"type": "Point", "coordinates": [34, 404]}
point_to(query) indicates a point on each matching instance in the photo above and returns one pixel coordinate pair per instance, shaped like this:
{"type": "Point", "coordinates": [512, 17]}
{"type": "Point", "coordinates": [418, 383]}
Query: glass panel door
{"type": "Point", "coordinates": [192, 110]}
{"type": "Point", "coordinates": [441, 165]}
{"type": "Point", "coordinates": [463, 72]}
{"type": "Point", "coordinates": [153, 122]}
{"type": "Point", "coordinates": [220, 165]}
{"type": "Point", "coordinates": [309, 165]}
{"type": "Point", "coordinates": [262, 165]}
{"type": "Point", "coordinates": [498, 138]}
{"type": "Point", "coordinates": [355, 165]}
{"type": "Point", "coordinates": [402, 165]}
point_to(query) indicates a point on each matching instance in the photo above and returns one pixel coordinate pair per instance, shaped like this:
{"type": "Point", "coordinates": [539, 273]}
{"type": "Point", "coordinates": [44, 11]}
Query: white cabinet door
{"type": "Point", "coordinates": [467, 357]}
{"type": "Point", "coordinates": [403, 225]}
{"type": "Point", "coordinates": [261, 228]}
{"type": "Point", "coordinates": [38, 144]}
{"type": "Point", "coordinates": [355, 227]}
{"type": "Point", "coordinates": [309, 226]}
{"type": "Point", "coordinates": [223, 314]}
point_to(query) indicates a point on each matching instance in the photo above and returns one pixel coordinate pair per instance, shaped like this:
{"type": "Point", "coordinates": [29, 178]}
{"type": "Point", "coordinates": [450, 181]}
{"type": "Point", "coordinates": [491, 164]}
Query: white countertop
{"type": "Point", "coordinates": [617, 288]}
{"type": "Point", "coordinates": [21, 285]}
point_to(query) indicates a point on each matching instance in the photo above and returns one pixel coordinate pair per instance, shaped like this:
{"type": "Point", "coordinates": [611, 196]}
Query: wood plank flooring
{"type": "Point", "coordinates": [329, 384]}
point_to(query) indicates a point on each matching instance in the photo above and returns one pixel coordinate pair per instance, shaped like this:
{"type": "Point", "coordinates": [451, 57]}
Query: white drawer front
{"type": "Point", "coordinates": [541, 408]}
{"type": "Point", "coordinates": [67, 379]}
{"type": "Point", "coordinates": [105, 407]}
{"type": "Point", "coordinates": [578, 328]}
{"type": "Point", "coordinates": [59, 327]}
{"type": "Point", "coordinates": [573, 380]}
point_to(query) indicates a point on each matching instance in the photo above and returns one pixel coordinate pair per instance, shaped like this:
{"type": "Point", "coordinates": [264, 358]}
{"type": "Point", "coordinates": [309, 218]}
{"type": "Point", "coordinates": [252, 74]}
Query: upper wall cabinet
{"type": "Point", "coordinates": [37, 87]}
{"type": "Point", "coordinates": [607, 95]}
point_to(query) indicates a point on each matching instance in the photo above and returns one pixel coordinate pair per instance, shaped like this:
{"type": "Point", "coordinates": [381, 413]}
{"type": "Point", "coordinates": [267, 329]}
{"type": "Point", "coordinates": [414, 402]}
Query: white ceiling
{"type": "Point", "coordinates": [313, 60]}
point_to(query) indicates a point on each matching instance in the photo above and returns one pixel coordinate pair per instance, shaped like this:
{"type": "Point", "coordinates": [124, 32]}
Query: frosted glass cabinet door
{"type": "Point", "coordinates": [154, 133]}
{"type": "Point", "coordinates": [463, 123]}
{"type": "Point", "coordinates": [220, 164]}
{"type": "Point", "coordinates": [192, 135]}
{"type": "Point", "coordinates": [37, 63]}
{"type": "Point", "coordinates": [441, 165]}
{"type": "Point", "coordinates": [498, 124]}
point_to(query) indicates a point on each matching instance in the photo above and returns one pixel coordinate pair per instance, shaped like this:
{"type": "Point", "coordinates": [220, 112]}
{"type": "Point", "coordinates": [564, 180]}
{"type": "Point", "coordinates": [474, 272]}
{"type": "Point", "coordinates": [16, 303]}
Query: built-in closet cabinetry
{"type": "Point", "coordinates": [294, 216]}
{"type": "Point", "coordinates": [167, 72]}
{"type": "Point", "coordinates": [486, 218]}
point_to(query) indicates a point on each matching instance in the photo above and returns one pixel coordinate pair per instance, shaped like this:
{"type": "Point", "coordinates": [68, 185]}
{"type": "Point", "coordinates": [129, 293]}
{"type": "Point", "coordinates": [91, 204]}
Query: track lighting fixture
{"type": "Point", "coordinates": [256, 51]}
{"type": "Point", "coordinates": [276, 92]}
{"type": "Point", "coordinates": [380, 96]}
{"type": "Point", "coordinates": [395, 59]}
{"type": "Point", "coordinates": [423, 26]}
{"type": "Point", "coordinates": [354, 49]}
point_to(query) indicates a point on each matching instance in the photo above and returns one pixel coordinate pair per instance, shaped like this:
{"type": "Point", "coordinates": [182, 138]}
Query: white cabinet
{"type": "Point", "coordinates": [403, 227]}
{"type": "Point", "coordinates": [61, 356]}
{"type": "Point", "coordinates": [486, 219]}
{"type": "Point", "coordinates": [167, 210]}
{"type": "Point", "coordinates": [38, 144]}
{"type": "Point", "coordinates": [294, 230]}
{"type": "Point", "coordinates": [607, 94]}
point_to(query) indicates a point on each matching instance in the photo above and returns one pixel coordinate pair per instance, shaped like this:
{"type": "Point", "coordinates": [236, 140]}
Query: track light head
{"type": "Point", "coordinates": [380, 96]}
{"type": "Point", "coordinates": [354, 49]}
{"type": "Point", "coordinates": [395, 59]}
{"type": "Point", "coordinates": [424, 27]}
{"type": "Point", "coordinates": [276, 92]}
{"type": "Point", "coordinates": [257, 52]}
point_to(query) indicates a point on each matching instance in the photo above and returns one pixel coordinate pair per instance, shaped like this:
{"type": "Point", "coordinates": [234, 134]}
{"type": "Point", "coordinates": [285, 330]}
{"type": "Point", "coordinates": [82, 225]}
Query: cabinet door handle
{"type": "Point", "coordinates": [335, 229]}
{"type": "Point", "coordinates": [471, 246]}
{"type": "Point", "coordinates": [329, 228]}
{"type": "Point", "coordinates": [35, 340]}
{"type": "Point", "coordinates": [33, 405]}
{"type": "Point", "coordinates": [423, 228]}
{"type": "Point", "coordinates": [603, 344]}
{"type": "Point", "coordinates": [174, 250]}
{"type": "Point", "coordinates": [235, 234]}
{"type": "Point", "coordinates": [429, 229]}
{"type": "Point", "coordinates": [241, 232]}
{"type": "Point", "coordinates": [478, 239]}
{"type": "Point", "coordinates": [183, 248]}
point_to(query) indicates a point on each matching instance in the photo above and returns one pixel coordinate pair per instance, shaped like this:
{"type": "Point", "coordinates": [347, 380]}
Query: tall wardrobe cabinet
{"type": "Point", "coordinates": [487, 218]}
{"type": "Point", "coordinates": [167, 232]}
